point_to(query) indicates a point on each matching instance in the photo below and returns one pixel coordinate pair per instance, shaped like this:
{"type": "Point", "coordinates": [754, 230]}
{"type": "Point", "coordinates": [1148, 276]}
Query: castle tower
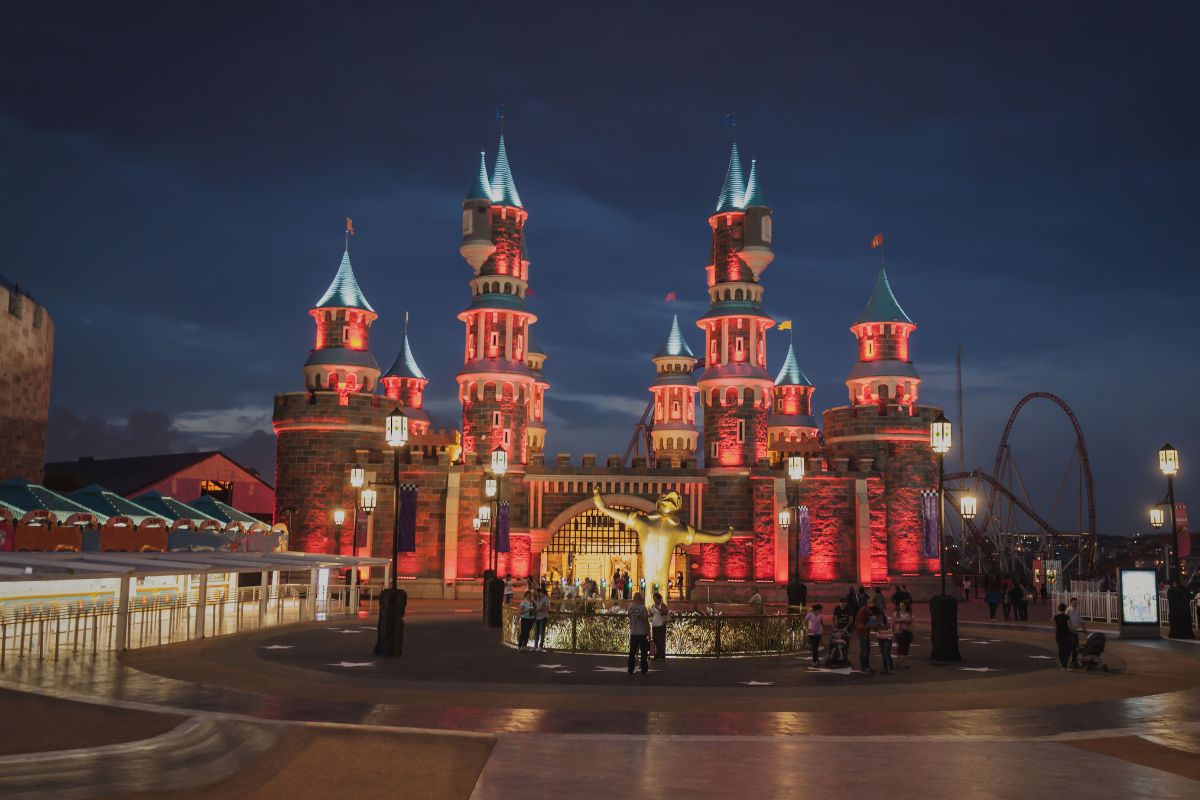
{"type": "Point", "coordinates": [884, 376]}
{"type": "Point", "coordinates": [496, 385]}
{"type": "Point", "coordinates": [405, 384]}
{"type": "Point", "coordinates": [735, 389]}
{"type": "Point", "coordinates": [341, 361]}
{"type": "Point", "coordinates": [791, 429]}
{"type": "Point", "coordinates": [674, 388]}
{"type": "Point", "coordinates": [535, 428]}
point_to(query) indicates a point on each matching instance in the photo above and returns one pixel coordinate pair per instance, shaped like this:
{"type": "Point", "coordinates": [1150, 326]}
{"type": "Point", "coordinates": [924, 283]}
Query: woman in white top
{"type": "Point", "coordinates": [814, 625]}
{"type": "Point", "coordinates": [658, 626]}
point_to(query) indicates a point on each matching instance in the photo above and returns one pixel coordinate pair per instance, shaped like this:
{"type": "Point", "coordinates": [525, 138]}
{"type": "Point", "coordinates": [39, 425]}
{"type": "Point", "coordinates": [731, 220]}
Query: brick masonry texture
{"type": "Point", "coordinates": [26, 366]}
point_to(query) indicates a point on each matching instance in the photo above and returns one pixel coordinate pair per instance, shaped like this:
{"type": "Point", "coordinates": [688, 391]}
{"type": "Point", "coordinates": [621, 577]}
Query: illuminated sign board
{"type": "Point", "coordinates": [1139, 597]}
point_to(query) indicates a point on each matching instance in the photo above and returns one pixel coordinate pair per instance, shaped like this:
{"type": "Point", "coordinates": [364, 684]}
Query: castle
{"type": "Point", "coordinates": [856, 515]}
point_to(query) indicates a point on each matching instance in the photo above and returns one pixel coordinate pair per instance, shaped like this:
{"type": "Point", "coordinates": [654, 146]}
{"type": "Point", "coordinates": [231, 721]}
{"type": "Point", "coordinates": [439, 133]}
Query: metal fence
{"type": "Point", "coordinates": [52, 631]}
{"type": "Point", "coordinates": [1095, 606]}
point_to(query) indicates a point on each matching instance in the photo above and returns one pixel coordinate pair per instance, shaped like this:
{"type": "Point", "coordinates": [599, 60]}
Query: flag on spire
{"type": "Point", "coordinates": [786, 325]}
{"type": "Point", "coordinates": [877, 241]}
{"type": "Point", "coordinates": [671, 297]}
{"type": "Point", "coordinates": [349, 226]}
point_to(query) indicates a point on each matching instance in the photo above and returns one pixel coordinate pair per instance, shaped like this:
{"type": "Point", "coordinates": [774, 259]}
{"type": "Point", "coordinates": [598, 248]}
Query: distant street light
{"type": "Point", "coordinates": [943, 609]}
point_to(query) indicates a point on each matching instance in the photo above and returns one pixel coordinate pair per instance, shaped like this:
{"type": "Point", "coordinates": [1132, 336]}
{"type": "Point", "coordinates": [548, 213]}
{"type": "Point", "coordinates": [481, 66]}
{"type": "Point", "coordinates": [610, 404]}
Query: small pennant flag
{"type": "Point", "coordinates": [877, 241]}
{"type": "Point", "coordinates": [349, 226]}
{"type": "Point", "coordinates": [786, 325]}
{"type": "Point", "coordinates": [671, 297]}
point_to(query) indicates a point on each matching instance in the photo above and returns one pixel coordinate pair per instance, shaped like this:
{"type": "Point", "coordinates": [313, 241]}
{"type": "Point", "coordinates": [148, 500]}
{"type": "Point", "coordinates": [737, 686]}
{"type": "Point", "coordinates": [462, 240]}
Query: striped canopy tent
{"type": "Point", "coordinates": [110, 504]}
{"type": "Point", "coordinates": [171, 509]}
{"type": "Point", "coordinates": [25, 496]}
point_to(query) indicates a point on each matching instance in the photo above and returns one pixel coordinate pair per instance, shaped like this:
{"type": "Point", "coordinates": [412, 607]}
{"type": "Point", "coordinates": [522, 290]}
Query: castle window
{"type": "Point", "coordinates": [869, 348]}
{"type": "Point", "coordinates": [675, 410]}
{"type": "Point", "coordinates": [14, 304]}
{"type": "Point", "coordinates": [507, 437]}
{"type": "Point", "coordinates": [495, 419]}
{"type": "Point", "coordinates": [468, 224]}
{"type": "Point", "coordinates": [739, 349]}
{"type": "Point", "coordinates": [713, 450]}
{"type": "Point", "coordinates": [766, 229]}
{"type": "Point", "coordinates": [741, 430]}
{"type": "Point", "coordinates": [493, 344]}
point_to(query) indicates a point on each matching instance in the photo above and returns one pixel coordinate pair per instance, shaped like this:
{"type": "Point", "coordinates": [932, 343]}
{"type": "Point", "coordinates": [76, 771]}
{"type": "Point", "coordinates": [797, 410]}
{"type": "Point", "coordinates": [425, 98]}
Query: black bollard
{"type": "Point", "coordinates": [943, 628]}
{"type": "Point", "coordinates": [488, 574]}
{"type": "Point", "coordinates": [1179, 613]}
{"type": "Point", "coordinates": [390, 638]}
{"type": "Point", "coordinates": [493, 602]}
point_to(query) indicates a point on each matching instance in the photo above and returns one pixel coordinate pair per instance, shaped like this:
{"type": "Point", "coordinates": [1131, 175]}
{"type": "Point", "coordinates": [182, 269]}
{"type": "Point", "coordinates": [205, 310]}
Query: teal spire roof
{"type": "Point", "coordinates": [344, 291]}
{"type": "Point", "coordinates": [791, 374]}
{"type": "Point", "coordinates": [482, 190]}
{"type": "Point", "coordinates": [504, 191]}
{"type": "Point", "coordinates": [753, 193]}
{"type": "Point", "coordinates": [675, 345]}
{"type": "Point", "coordinates": [882, 307]}
{"type": "Point", "coordinates": [734, 190]}
{"type": "Point", "coordinates": [405, 366]}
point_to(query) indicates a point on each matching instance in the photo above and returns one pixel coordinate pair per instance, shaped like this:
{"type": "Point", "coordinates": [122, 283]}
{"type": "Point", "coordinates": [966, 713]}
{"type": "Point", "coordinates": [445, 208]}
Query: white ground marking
{"type": "Point", "coordinates": [978, 669]}
{"type": "Point", "coordinates": [757, 683]}
{"type": "Point", "coordinates": [278, 646]}
{"type": "Point", "coordinates": [353, 664]}
{"type": "Point", "coordinates": [549, 666]}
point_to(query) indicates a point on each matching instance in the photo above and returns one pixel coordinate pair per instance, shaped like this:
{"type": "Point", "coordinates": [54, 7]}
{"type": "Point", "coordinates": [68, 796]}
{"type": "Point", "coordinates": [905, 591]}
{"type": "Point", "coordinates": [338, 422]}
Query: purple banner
{"type": "Point", "coordinates": [408, 519]}
{"type": "Point", "coordinates": [929, 524]}
{"type": "Point", "coordinates": [502, 527]}
{"type": "Point", "coordinates": [805, 540]}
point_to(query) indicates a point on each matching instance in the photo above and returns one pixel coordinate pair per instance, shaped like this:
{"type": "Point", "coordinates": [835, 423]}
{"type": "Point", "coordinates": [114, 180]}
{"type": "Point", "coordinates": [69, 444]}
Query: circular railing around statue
{"type": "Point", "coordinates": [704, 630]}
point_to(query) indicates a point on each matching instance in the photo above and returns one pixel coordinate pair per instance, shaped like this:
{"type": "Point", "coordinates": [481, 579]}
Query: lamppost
{"type": "Point", "coordinates": [797, 592]}
{"type": "Point", "coordinates": [396, 435]}
{"type": "Point", "coordinates": [494, 489]}
{"type": "Point", "coordinates": [967, 507]}
{"type": "Point", "coordinates": [339, 519]}
{"type": "Point", "coordinates": [943, 609]}
{"type": "Point", "coordinates": [358, 476]}
{"type": "Point", "coordinates": [1178, 612]}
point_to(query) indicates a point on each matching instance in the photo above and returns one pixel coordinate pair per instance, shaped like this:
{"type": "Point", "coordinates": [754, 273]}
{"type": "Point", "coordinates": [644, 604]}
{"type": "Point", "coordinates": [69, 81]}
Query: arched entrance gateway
{"type": "Point", "coordinates": [584, 543]}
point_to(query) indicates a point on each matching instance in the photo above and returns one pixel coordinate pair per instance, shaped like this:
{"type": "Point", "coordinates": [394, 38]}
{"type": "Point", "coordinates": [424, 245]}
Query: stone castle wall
{"type": "Point", "coordinates": [26, 366]}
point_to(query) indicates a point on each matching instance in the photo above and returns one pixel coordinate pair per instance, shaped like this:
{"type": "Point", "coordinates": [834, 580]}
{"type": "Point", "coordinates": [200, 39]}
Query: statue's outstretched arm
{"type": "Point", "coordinates": [694, 535]}
{"type": "Point", "coordinates": [623, 517]}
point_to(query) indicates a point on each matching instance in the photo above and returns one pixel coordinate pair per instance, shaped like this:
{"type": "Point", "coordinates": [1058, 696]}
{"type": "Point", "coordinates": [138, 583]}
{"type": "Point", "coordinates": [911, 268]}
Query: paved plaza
{"type": "Point", "coordinates": [307, 710]}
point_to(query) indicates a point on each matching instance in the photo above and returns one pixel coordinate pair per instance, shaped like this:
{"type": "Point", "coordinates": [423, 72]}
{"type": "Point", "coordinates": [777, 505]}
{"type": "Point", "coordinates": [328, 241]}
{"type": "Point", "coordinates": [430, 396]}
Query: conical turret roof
{"type": "Point", "coordinates": [405, 366]}
{"type": "Point", "coordinates": [733, 192]}
{"type": "Point", "coordinates": [344, 291]}
{"type": "Point", "coordinates": [504, 190]}
{"type": "Point", "coordinates": [675, 345]}
{"type": "Point", "coordinates": [482, 189]}
{"type": "Point", "coordinates": [533, 347]}
{"type": "Point", "coordinates": [791, 374]}
{"type": "Point", "coordinates": [753, 192]}
{"type": "Point", "coordinates": [882, 307]}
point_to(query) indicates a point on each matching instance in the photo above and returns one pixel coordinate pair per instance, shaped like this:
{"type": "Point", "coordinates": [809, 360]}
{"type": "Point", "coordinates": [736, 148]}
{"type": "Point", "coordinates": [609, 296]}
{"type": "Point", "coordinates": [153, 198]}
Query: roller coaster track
{"type": "Point", "coordinates": [997, 486]}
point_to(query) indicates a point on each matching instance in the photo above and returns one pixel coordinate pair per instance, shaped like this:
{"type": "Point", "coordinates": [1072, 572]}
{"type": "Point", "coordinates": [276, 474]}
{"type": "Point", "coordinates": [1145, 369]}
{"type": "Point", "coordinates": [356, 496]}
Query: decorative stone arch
{"type": "Point", "coordinates": [626, 500]}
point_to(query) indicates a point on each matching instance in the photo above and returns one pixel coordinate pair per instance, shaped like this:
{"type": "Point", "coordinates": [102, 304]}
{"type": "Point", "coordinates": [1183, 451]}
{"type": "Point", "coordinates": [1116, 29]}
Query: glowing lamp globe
{"type": "Point", "coordinates": [397, 429]}
{"type": "Point", "coordinates": [489, 487]}
{"type": "Point", "coordinates": [1156, 517]}
{"type": "Point", "coordinates": [499, 461]}
{"type": "Point", "coordinates": [475, 523]}
{"type": "Point", "coordinates": [367, 500]}
{"type": "Point", "coordinates": [796, 467]}
{"type": "Point", "coordinates": [785, 518]}
{"type": "Point", "coordinates": [940, 435]}
{"type": "Point", "coordinates": [1168, 460]}
{"type": "Point", "coordinates": [967, 506]}
{"type": "Point", "coordinates": [485, 513]}
{"type": "Point", "coordinates": [358, 476]}
{"type": "Point", "coordinates": [339, 518]}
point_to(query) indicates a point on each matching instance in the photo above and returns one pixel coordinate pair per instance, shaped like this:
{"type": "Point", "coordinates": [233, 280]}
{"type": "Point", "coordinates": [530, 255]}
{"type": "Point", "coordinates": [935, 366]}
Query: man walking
{"type": "Point", "coordinates": [866, 621]}
{"type": "Point", "coordinates": [639, 632]}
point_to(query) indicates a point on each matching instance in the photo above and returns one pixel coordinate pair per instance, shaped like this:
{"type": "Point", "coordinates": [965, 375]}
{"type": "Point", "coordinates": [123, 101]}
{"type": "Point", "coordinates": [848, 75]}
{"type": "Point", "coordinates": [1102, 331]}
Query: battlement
{"type": "Point", "coordinates": [26, 366]}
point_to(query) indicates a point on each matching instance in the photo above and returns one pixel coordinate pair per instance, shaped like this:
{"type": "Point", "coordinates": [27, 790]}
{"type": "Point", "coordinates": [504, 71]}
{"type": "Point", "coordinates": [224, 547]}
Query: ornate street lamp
{"type": "Point", "coordinates": [485, 512]}
{"type": "Point", "coordinates": [358, 476]}
{"type": "Point", "coordinates": [367, 500]}
{"type": "Point", "coordinates": [796, 467]}
{"type": "Point", "coordinates": [967, 506]}
{"type": "Point", "coordinates": [396, 436]}
{"type": "Point", "coordinates": [1156, 517]}
{"type": "Point", "coordinates": [475, 523]}
{"type": "Point", "coordinates": [489, 487]}
{"type": "Point", "coordinates": [785, 518]}
{"type": "Point", "coordinates": [499, 461]}
{"type": "Point", "coordinates": [1178, 612]}
{"type": "Point", "coordinates": [943, 609]}
{"type": "Point", "coordinates": [339, 519]}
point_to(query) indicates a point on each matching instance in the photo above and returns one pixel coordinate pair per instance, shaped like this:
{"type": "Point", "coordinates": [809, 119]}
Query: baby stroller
{"type": "Point", "coordinates": [1090, 655]}
{"type": "Point", "coordinates": [839, 651]}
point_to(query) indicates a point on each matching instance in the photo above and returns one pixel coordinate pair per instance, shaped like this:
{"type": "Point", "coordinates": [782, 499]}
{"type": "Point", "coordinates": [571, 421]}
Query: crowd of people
{"type": "Point", "coordinates": [1013, 596]}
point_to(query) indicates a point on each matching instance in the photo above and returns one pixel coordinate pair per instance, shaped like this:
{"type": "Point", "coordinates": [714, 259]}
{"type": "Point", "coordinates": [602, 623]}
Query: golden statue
{"type": "Point", "coordinates": [658, 535]}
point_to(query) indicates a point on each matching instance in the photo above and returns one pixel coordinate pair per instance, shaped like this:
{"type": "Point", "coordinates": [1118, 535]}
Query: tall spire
{"type": "Point", "coordinates": [734, 190]}
{"type": "Point", "coordinates": [344, 291]}
{"type": "Point", "coordinates": [405, 366]}
{"type": "Point", "coordinates": [753, 193]}
{"type": "Point", "coordinates": [503, 189]}
{"type": "Point", "coordinates": [675, 345]}
{"type": "Point", "coordinates": [791, 374]}
{"type": "Point", "coordinates": [883, 307]}
{"type": "Point", "coordinates": [482, 190]}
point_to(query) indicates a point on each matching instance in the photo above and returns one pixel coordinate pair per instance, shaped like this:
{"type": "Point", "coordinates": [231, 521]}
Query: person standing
{"type": "Point", "coordinates": [993, 600]}
{"type": "Point", "coordinates": [639, 632]}
{"type": "Point", "coordinates": [865, 621]}
{"type": "Point", "coordinates": [966, 589]}
{"type": "Point", "coordinates": [852, 600]}
{"type": "Point", "coordinates": [1014, 601]}
{"type": "Point", "coordinates": [843, 616]}
{"type": "Point", "coordinates": [541, 619]}
{"type": "Point", "coordinates": [1023, 601]}
{"type": "Point", "coordinates": [528, 614]}
{"type": "Point", "coordinates": [756, 599]}
{"type": "Point", "coordinates": [884, 633]}
{"type": "Point", "coordinates": [902, 625]}
{"type": "Point", "coordinates": [1077, 627]}
{"type": "Point", "coordinates": [1064, 636]}
{"type": "Point", "coordinates": [659, 614]}
{"type": "Point", "coordinates": [815, 627]}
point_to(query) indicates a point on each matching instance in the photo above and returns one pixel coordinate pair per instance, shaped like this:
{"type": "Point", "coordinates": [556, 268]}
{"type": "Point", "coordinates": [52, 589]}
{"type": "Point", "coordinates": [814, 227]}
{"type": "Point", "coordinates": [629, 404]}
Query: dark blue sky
{"type": "Point", "coordinates": [175, 181]}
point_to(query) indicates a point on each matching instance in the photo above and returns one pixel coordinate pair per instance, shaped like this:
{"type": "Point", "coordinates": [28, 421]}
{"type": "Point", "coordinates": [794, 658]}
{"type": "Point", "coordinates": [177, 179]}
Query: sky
{"type": "Point", "coordinates": [175, 178]}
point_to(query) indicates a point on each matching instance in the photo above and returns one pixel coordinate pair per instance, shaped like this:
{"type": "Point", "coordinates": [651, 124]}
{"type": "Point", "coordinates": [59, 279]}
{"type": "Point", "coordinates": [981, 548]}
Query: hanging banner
{"type": "Point", "coordinates": [805, 541]}
{"type": "Point", "coordinates": [1183, 539]}
{"type": "Point", "coordinates": [502, 545]}
{"type": "Point", "coordinates": [929, 524]}
{"type": "Point", "coordinates": [408, 519]}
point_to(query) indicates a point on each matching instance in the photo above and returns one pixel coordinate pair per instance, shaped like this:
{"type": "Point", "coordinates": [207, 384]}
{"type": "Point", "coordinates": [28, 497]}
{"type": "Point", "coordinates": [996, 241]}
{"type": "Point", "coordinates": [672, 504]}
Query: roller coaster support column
{"type": "Point", "coordinates": [943, 609]}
